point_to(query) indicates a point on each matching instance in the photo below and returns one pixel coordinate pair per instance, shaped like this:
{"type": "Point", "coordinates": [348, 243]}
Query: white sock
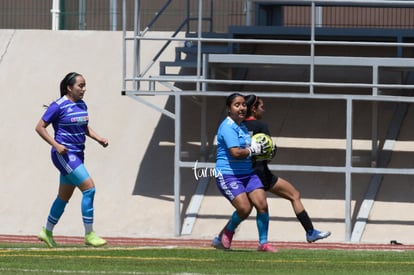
{"type": "Point", "coordinates": [88, 228]}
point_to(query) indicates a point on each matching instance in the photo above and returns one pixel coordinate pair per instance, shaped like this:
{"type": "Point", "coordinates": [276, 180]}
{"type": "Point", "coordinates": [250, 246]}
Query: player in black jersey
{"type": "Point", "coordinates": [271, 182]}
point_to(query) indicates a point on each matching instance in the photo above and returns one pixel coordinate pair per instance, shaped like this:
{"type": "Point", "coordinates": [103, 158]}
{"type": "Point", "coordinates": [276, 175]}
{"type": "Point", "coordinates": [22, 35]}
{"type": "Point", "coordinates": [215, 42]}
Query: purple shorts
{"type": "Point", "coordinates": [233, 185]}
{"type": "Point", "coordinates": [70, 165]}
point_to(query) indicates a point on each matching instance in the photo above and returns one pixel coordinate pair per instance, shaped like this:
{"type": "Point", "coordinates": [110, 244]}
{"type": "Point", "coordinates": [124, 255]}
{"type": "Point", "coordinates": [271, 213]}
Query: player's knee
{"type": "Point", "coordinates": [88, 196]}
{"type": "Point", "coordinates": [89, 192]}
{"type": "Point", "coordinates": [296, 195]}
{"type": "Point", "coordinates": [262, 207]}
{"type": "Point", "coordinates": [244, 211]}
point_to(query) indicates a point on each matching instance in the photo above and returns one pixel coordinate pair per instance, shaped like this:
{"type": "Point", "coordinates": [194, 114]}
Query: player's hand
{"type": "Point", "coordinates": [255, 148]}
{"type": "Point", "coordinates": [266, 147]}
{"type": "Point", "coordinates": [104, 142]}
{"type": "Point", "coordinates": [61, 149]}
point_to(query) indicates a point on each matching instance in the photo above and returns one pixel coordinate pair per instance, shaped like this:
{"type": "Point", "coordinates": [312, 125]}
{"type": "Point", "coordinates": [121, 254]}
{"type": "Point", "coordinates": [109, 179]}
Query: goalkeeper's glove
{"type": "Point", "coordinates": [259, 148]}
{"type": "Point", "coordinates": [266, 147]}
{"type": "Point", "coordinates": [255, 148]}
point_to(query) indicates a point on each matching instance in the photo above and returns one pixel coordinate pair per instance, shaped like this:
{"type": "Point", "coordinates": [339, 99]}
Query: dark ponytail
{"type": "Point", "coordinates": [68, 80]}
{"type": "Point", "coordinates": [251, 101]}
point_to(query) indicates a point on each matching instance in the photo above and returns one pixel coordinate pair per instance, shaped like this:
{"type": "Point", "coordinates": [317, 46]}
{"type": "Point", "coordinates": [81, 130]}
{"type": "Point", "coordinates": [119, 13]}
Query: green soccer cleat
{"type": "Point", "coordinates": [47, 237]}
{"type": "Point", "coordinates": [94, 240]}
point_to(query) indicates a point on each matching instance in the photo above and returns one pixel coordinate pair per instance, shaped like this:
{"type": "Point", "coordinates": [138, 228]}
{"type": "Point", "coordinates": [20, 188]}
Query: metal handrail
{"type": "Point", "coordinates": [159, 53]}
{"type": "Point", "coordinates": [312, 60]}
{"type": "Point", "coordinates": [152, 22]}
{"type": "Point", "coordinates": [172, 38]}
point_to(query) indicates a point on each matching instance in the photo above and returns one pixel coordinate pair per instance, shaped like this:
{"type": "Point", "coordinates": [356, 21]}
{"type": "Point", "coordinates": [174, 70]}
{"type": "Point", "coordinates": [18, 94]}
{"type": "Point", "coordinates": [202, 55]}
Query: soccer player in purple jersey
{"type": "Point", "coordinates": [235, 177]}
{"type": "Point", "coordinates": [69, 118]}
{"type": "Point", "coordinates": [271, 182]}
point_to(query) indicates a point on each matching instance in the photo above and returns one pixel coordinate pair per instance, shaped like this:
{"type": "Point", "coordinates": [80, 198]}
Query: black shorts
{"type": "Point", "coordinates": [262, 170]}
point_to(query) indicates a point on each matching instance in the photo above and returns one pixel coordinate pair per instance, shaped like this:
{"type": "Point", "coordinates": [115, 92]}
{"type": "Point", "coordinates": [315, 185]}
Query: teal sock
{"type": "Point", "coordinates": [56, 211]}
{"type": "Point", "coordinates": [87, 209]}
{"type": "Point", "coordinates": [233, 222]}
{"type": "Point", "coordinates": [262, 221]}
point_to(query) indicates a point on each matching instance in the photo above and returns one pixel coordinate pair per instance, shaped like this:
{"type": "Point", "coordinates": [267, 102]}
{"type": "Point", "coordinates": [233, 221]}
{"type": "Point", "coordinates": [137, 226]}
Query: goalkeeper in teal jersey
{"type": "Point", "coordinates": [235, 177]}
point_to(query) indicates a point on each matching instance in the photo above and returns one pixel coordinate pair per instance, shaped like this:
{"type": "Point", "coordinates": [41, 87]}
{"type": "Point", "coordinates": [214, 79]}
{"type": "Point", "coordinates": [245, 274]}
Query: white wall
{"type": "Point", "coordinates": [31, 67]}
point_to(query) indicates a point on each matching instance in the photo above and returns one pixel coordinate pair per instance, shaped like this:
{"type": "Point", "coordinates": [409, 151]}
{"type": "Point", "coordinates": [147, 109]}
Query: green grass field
{"type": "Point", "coordinates": [36, 259]}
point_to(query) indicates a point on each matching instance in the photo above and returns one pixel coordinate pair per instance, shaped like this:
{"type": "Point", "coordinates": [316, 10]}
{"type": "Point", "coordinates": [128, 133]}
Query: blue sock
{"type": "Point", "coordinates": [56, 211]}
{"type": "Point", "coordinates": [233, 222]}
{"type": "Point", "coordinates": [87, 209]}
{"type": "Point", "coordinates": [262, 221]}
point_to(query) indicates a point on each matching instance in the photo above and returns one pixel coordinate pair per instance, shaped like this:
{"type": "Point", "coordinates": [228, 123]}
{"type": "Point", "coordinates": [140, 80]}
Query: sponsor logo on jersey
{"type": "Point", "coordinates": [80, 119]}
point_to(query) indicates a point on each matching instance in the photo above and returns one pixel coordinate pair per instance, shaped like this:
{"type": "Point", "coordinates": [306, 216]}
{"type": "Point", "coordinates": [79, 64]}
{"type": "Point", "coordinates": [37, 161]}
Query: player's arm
{"type": "Point", "coordinates": [239, 153]}
{"type": "Point", "coordinates": [93, 135]}
{"type": "Point", "coordinates": [255, 148]}
{"type": "Point", "coordinates": [44, 134]}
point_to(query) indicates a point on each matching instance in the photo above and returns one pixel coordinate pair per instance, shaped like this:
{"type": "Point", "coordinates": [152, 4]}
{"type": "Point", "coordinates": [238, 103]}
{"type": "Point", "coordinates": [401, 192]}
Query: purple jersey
{"type": "Point", "coordinates": [70, 121]}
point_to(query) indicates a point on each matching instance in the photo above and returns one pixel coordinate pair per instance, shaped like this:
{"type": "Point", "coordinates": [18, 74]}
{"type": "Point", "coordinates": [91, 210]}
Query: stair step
{"type": "Point", "coordinates": [178, 63]}
{"type": "Point", "coordinates": [193, 50]}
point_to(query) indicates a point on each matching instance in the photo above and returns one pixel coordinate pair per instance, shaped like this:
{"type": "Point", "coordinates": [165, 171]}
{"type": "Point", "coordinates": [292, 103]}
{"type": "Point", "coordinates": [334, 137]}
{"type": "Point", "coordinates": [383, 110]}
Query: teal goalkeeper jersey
{"type": "Point", "coordinates": [229, 135]}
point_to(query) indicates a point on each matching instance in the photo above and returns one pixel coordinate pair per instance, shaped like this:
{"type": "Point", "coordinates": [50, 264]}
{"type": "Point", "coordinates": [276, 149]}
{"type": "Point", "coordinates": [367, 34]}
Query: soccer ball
{"type": "Point", "coordinates": [266, 141]}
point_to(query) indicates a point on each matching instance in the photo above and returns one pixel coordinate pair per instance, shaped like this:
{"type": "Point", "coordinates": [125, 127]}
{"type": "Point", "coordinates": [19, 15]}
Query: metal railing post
{"type": "Point", "coordinates": [177, 166]}
{"type": "Point", "coordinates": [312, 50]}
{"type": "Point", "coordinates": [55, 15]}
{"type": "Point", "coordinates": [124, 48]}
{"type": "Point", "coordinates": [137, 42]}
{"type": "Point", "coordinates": [82, 15]}
{"type": "Point", "coordinates": [348, 167]}
{"type": "Point", "coordinates": [112, 15]}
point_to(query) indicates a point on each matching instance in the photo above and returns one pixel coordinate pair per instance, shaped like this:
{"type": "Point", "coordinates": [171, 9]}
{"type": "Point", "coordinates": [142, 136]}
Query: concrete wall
{"type": "Point", "coordinates": [31, 66]}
